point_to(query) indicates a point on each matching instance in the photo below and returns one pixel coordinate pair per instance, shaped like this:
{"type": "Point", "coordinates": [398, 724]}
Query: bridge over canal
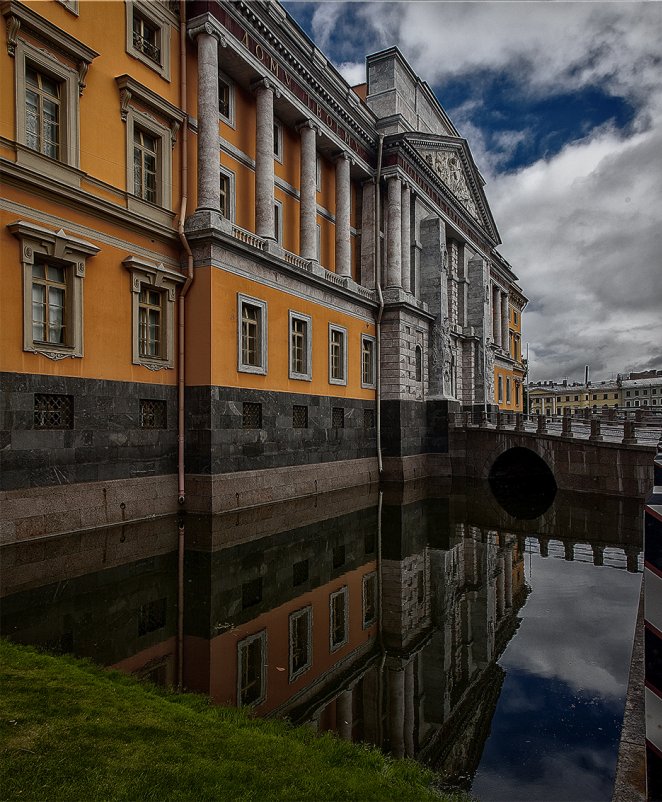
{"type": "Point", "coordinates": [609, 454]}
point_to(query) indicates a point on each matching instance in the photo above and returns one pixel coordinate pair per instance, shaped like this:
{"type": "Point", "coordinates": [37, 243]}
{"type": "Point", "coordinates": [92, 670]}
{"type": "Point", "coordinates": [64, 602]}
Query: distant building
{"type": "Point", "coordinates": [642, 389]}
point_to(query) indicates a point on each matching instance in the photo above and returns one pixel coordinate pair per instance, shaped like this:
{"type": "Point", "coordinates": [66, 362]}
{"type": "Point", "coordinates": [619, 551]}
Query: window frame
{"type": "Point", "coordinates": [245, 642]}
{"type": "Point", "coordinates": [39, 243]}
{"type": "Point", "coordinates": [157, 15]}
{"type": "Point", "coordinates": [308, 346]}
{"type": "Point", "coordinates": [229, 118]}
{"type": "Point", "coordinates": [368, 622]}
{"type": "Point", "coordinates": [164, 280]}
{"type": "Point", "coordinates": [278, 140]}
{"type": "Point", "coordinates": [278, 221]}
{"type": "Point", "coordinates": [293, 617]}
{"type": "Point", "coordinates": [231, 193]}
{"type": "Point", "coordinates": [370, 385]}
{"type": "Point", "coordinates": [262, 337]}
{"type": "Point", "coordinates": [343, 591]}
{"type": "Point", "coordinates": [335, 328]}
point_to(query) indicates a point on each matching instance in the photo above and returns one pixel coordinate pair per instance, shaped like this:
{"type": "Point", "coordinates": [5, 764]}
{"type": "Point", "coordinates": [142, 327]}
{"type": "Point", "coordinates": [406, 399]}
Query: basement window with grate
{"type": "Point", "coordinates": [299, 417]}
{"type": "Point", "coordinates": [53, 411]}
{"type": "Point", "coordinates": [153, 414]}
{"type": "Point", "coordinates": [251, 415]}
{"type": "Point", "coordinates": [338, 418]}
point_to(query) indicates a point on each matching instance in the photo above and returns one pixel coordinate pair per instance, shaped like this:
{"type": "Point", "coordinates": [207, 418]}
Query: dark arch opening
{"type": "Point", "coordinates": [522, 483]}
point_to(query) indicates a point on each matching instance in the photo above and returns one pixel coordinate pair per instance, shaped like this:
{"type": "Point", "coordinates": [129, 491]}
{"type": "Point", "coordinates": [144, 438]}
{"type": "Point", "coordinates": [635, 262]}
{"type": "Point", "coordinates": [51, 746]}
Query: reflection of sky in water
{"type": "Point", "coordinates": [555, 731]}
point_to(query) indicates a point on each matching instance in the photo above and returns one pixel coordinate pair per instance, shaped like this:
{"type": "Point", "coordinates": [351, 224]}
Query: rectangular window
{"type": "Point", "coordinates": [517, 393]}
{"type": "Point", "coordinates": [252, 357]}
{"type": "Point", "coordinates": [151, 616]}
{"type": "Point", "coordinates": [278, 142]}
{"type": "Point", "coordinates": [368, 418]}
{"type": "Point", "coordinates": [251, 415]}
{"type": "Point", "coordinates": [49, 303]}
{"type": "Point", "coordinates": [223, 99]}
{"type": "Point", "coordinates": [299, 416]}
{"type": "Point", "coordinates": [500, 389]}
{"type": "Point", "coordinates": [338, 618]}
{"type": "Point", "coordinates": [150, 317]}
{"type": "Point", "coordinates": [338, 417]}
{"type": "Point", "coordinates": [369, 599]}
{"type": "Point", "coordinates": [53, 411]}
{"type": "Point", "coordinates": [300, 641]}
{"type": "Point", "coordinates": [147, 37]}
{"type": "Point", "coordinates": [369, 543]}
{"type": "Point", "coordinates": [338, 556]}
{"type": "Point", "coordinates": [337, 355]}
{"type": "Point", "coordinates": [300, 346]}
{"type": "Point", "coordinates": [225, 195]}
{"type": "Point", "coordinates": [251, 658]}
{"type": "Point", "coordinates": [368, 347]}
{"type": "Point", "coordinates": [42, 112]}
{"type": "Point", "coordinates": [508, 394]}
{"type": "Point", "coordinates": [278, 222]}
{"type": "Point", "coordinates": [153, 414]}
{"type": "Point", "coordinates": [145, 166]}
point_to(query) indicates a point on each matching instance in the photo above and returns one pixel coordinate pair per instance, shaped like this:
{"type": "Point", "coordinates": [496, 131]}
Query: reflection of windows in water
{"type": "Point", "coordinates": [369, 599]}
{"type": "Point", "coordinates": [338, 604]}
{"type": "Point", "coordinates": [338, 556]}
{"type": "Point", "coordinates": [300, 641]}
{"type": "Point", "coordinates": [251, 593]}
{"type": "Point", "coordinates": [251, 656]}
{"type": "Point", "coordinates": [299, 573]}
{"type": "Point", "coordinates": [151, 616]}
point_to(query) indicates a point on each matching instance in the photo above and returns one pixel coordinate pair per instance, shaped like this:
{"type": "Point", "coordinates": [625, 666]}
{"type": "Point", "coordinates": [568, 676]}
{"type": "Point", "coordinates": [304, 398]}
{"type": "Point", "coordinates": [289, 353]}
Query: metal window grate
{"type": "Point", "coordinates": [151, 616]}
{"type": "Point", "coordinates": [53, 411]}
{"type": "Point", "coordinates": [153, 414]}
{"type": "Point", "coordinates": [338, 418]}
{"type": "Point", "coordinates": [299, 573]}
{"type": "Point", "coordinates": [368, 418]}
{"type": "Point", "coordinates": [299, 417]}
{"type": "Point", "coordinates": [252, 415]}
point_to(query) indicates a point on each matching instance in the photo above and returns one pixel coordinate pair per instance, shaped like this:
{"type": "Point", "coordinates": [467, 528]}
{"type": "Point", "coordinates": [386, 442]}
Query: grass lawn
{"type": "Point", "coordinates": [70, 730]}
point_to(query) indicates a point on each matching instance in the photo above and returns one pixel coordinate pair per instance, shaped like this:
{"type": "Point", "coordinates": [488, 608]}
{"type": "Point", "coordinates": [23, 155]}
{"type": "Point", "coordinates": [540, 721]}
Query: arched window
{"type": "Point", "coordinates": [419, 363]}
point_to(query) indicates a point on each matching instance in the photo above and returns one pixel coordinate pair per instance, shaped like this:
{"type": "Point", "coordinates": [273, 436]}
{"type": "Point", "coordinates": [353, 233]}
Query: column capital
{"type": "Point", "coordinates": [309, 123]}
{"type": "Point", "coordinates": [208, 25]}
{"type": "Point", "coordinates": [343, 155]}
{"type": "Point", "coordinates": [265, 83]}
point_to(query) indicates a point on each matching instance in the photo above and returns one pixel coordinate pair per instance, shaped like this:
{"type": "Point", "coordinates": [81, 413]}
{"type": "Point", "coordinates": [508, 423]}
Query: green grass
{"type": "Point", "coordinates": [70, 730]}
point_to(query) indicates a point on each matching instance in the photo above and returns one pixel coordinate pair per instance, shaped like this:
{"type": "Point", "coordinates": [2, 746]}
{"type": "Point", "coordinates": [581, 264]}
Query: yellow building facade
{"type": "Point", "coordinates": [229, 277]}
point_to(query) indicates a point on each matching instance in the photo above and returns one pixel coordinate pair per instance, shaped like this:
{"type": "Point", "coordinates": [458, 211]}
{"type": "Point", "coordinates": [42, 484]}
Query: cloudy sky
{"type": "Point", "coordinates": [561, 103]}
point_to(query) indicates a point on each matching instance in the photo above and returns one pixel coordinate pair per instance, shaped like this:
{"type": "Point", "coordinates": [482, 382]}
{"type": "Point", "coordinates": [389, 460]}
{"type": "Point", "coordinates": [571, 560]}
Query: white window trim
{"type": "Point", "coordinates": [307, 319]}
{"type": "Point", "coordinates": [165, 280]}
{"type": "Point", "coordinates": [70, 251]}
{"type": "Point", "coordinates": [369, 385]}
{"type": "Point", "coordinates": [318, 243]}
{"type": "Point", "coordinates": [229, 120]}
{"type": "Point", "coordinates": [278, 141]}
{"type": "Point", "coordinates": [241, 367]}
{"type": "Point", "coordinates": [232, 182]}
{"type": "Point", "coordinates": [278, 229]}
{"type": "Point", "coordinates": [165, 132]}
{"type": "Point", "coordinates": [366, 578]}
{"type": "Point", "coordinates": [308, 611]}
{"type": "Point", "coordinates": [161, 19]}
{"type": "Point", "coordinates": [262, 635]}
{"type": "Point", "coordinates": [344, 592]}
{"type": "Point", "coordinates": [333, 327]}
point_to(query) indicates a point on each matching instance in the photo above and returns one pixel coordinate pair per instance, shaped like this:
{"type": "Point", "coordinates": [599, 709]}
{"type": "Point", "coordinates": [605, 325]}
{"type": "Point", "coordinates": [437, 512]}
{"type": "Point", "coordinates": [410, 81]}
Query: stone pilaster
{"type": "Point", "coordinates": [343, 209]}
{"type": "Point", "coordinates": [394, 233]}
{"type": "Point", "coordinates": [405, 208]}
{"type": "Point", "coordinates": [264, 160]}
{"type": "Point", "coordinates": [409, 709]}
{"type": "Point", "coordinates": [368, 235]}
{"type": "Point", "coordinates": [308, 199]}
{"type": "Point", "coordinates": [208, 38]}
{"type": "Point", "coordinates": [434, 292]}
{"type": "Point", "coordinates": [452, 281]}
{"type": "Point", "coordinates": [505, 338]}
{"type": "Point", "coordinates": [496, 315]}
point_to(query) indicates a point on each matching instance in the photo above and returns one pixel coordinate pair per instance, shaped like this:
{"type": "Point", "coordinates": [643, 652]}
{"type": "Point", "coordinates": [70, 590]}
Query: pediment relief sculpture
{"type": "Point", "coordinates": [447, 165]}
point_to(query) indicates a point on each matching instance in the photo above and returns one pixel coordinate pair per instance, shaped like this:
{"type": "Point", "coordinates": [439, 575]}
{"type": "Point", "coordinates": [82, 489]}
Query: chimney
{"type": "Point", "coordinates": [586, 373]}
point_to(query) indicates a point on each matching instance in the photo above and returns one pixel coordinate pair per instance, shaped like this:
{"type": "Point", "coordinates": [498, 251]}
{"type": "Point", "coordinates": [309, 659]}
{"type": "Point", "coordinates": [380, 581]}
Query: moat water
{"type": "Point", "coordinates": [493, 646]}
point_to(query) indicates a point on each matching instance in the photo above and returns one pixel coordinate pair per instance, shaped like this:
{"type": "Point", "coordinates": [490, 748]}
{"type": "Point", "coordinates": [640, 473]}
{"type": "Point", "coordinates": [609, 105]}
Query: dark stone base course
{"type": "Point", "coordinates": [415, 427]}
{"type": "Point", "coordinates": [217, 442]}
{"type": "Point", "coordinates": [105, 443]}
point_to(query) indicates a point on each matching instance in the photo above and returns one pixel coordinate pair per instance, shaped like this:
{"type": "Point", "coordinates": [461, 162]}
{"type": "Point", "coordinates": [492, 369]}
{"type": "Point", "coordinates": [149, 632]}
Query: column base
{"type": "Point", "coordinates": [207, 220]}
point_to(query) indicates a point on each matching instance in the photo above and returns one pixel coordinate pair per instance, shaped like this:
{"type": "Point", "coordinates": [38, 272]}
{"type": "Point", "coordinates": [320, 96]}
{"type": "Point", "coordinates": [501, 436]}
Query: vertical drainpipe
{"type": "Point", "coordinates": [380, 312]}
{"type": "Point", "coordinates": [181, 376]}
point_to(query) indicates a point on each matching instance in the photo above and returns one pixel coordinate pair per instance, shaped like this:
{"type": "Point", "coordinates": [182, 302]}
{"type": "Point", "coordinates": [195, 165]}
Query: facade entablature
{"type": "Point", "coordinates": [253, 48]}
{"type": "Point", "coordinates": [406, 154]}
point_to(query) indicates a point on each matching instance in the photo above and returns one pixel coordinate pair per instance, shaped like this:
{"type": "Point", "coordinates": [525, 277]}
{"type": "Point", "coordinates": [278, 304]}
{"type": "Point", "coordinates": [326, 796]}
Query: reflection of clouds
{"type": "Point", "coordinates": [577, 626]}
{"type": "Point", "coordinates": [579, 775]}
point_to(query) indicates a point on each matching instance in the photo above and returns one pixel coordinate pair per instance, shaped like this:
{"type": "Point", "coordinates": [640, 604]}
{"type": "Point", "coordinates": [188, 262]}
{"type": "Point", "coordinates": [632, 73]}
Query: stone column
{"type": "Point", "coordinates": [344, 713]}
{"type": "Point", "coordinates": [505, 339]}
{"type": "Point", "coordinates": [394, 234]}
{"type": "Point", "coordinates": [264, 160]}
{"type": "Point", "coordinates": [343, 207]}
{"type": "Point", "coordinates": [209, 185]}
{"type": "Point", "coordinates": [308, 200]}
{"type": "Point", "coordinates": [405, 215]}
{"type": "Point", "coordinates": [368, 235]}
{"type": "Point", "coordinates": [496, 315]}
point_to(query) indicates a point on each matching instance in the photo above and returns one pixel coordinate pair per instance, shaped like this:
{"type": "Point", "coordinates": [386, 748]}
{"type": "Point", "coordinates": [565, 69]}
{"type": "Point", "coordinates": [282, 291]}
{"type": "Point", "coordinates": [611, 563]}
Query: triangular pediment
{"type": "Point", "coordinates": [451, 161]}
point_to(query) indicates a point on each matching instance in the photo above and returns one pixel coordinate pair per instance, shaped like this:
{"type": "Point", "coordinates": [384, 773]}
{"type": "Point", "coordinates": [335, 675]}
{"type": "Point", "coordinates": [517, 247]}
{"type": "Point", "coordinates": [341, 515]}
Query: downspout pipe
{"type": "Point", "coordinates": [380, 311]}
{"type": "Point", "coordinates": [181, 364]}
